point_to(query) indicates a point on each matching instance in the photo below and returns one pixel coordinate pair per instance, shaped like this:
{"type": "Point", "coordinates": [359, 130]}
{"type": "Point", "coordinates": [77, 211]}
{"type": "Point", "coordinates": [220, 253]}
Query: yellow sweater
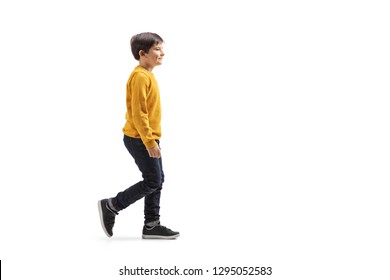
{"type": "Point", "coordinates": [143, 116]}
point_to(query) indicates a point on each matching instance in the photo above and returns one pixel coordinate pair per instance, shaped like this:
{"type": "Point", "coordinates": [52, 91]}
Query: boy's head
{"type": "Point", "coordinates": [143, 42]}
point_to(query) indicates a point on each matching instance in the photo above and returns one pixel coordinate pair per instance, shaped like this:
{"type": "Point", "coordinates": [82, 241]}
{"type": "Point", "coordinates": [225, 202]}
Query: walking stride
{"type": "Point", "coordinates": [142, 133]}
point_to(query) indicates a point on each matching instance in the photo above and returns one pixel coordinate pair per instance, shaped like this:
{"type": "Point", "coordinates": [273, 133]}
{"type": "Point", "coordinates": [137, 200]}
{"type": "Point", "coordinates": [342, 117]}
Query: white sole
{"type": "Point", "coordinates": [159, 236]}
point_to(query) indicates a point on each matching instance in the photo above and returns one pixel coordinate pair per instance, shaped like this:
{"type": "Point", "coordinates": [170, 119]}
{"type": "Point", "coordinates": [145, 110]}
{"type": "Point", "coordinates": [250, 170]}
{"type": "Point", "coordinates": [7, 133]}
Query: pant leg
{"type": "Point", "coordinates": [152, 200]}
{"type": "Point", "coordinates": [150, 186]}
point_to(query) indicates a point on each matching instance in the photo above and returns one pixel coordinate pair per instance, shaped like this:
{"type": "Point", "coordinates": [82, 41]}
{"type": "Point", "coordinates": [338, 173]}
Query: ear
{"type": "Point", "coordinates": [141, 53]}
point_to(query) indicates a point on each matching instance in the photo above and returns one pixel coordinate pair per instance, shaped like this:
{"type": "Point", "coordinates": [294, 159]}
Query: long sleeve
{"type": "Point", "coordinates": [141, 104]}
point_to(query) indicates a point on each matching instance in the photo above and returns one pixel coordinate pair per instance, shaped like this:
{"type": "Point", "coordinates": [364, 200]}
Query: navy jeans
{"type": "Point", "coordinates": [151, 185]}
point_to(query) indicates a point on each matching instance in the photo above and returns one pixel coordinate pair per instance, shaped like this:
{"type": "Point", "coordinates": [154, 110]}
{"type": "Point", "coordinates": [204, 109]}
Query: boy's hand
{"type": "Point", "coordinates": [154, 152]}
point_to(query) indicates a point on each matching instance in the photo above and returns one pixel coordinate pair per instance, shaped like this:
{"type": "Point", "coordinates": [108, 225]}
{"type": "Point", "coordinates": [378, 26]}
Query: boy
{"type": "Point", "coordinates": [142, 132]}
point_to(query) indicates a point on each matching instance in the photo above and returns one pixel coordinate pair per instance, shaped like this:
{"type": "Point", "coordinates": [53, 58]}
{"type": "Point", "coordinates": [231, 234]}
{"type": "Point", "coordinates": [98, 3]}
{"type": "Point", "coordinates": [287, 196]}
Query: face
{"type": "Point", "coordinates": [155, 55]}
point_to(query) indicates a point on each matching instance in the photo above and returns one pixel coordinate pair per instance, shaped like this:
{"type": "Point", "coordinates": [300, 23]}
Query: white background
{"type": "Point", "coordinates": [275, 137]}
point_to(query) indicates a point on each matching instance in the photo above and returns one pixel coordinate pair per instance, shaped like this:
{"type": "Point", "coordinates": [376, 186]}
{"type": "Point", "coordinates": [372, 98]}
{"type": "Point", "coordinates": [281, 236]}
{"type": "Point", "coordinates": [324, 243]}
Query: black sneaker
{"type": "Point", "coordinates": [107, 217]}
{"type": "Point", "coordinates": [159, 232]}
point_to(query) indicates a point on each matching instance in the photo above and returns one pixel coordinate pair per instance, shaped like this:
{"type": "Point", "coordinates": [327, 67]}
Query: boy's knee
{"type": "Point", "coordinates": [153, 184]}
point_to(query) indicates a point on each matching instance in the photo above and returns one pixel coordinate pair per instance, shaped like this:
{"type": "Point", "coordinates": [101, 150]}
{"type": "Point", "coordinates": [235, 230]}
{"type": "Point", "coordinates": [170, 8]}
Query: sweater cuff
{"type": "Point", "coordinates": [150, 144]}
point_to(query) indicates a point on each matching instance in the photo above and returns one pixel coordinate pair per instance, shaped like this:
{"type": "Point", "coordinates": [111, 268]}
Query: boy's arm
{"type": "Point", "coordinates": [140, 110]}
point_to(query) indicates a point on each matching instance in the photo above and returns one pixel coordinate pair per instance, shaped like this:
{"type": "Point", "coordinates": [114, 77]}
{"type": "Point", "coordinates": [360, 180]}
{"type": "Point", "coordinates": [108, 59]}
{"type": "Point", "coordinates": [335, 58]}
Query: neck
{"type": "Point", "coordinates": [146, 66]}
